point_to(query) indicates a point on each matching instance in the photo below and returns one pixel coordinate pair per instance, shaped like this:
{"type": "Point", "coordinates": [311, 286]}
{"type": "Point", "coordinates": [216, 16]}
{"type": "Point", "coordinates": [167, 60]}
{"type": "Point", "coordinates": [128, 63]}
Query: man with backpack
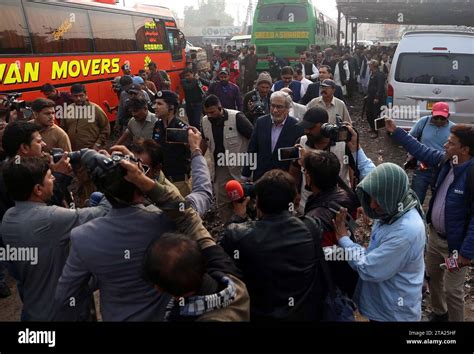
{"type": "Point", "coordinates": [450, 216]}
{"type": "Point", "coordinates": [432, 131]}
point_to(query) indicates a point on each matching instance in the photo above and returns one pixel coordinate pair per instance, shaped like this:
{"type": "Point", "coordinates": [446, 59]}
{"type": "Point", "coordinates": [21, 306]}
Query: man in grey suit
{"type": "Point", "coordinates": [42, 233]}
{"type": "Point", "coordinates": [111, 249]}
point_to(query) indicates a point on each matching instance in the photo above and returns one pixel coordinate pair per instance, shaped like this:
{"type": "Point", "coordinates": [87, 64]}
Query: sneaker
{"type": "Point", "coordinates": [4, 290]}
{"type": "Point", "coordinates": [438, 318]}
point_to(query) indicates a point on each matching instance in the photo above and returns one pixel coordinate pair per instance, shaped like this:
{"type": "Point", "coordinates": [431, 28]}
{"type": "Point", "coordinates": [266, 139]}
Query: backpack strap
{"type": "Point", "coordinates": [421, 133]}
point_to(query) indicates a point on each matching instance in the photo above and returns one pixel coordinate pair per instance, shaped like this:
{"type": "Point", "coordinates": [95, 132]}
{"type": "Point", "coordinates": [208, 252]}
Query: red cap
{"type": "Point", "coordinates": [440, 109]}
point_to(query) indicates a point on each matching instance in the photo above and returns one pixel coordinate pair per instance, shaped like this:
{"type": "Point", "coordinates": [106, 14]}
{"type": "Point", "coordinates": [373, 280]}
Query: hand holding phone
{"type": "Point", "coordinates": [289, 154]}
{"type": "Point", "coordinates": [379, 123]}
{"type": "Point", "coordinates": [177, 136]}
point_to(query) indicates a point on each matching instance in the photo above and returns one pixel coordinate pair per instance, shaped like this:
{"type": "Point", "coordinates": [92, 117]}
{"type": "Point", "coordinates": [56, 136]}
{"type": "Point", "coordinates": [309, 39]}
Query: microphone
{"type": "Point", "coordinates": [95, 199]}
{"type": "Point", "coordinates": [234, 190]}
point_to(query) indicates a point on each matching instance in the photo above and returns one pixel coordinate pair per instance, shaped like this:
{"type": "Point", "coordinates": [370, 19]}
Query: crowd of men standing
{"type": "Point", "coordinates": [281, 222]}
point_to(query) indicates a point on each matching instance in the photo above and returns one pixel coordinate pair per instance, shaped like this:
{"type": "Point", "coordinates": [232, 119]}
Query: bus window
{"type": "Point", "coordinates": [176, 49]}
{"type": "Point", "coordinates": [150, 34]}
{"type": "Point", "coordinates": [57, 30]}
{"type": "Point", "coordinates": [283, 13]}
{"type": "Point", "coordinates": [112, 32]}
{"type": "Point", "coordinates": [14, 37]}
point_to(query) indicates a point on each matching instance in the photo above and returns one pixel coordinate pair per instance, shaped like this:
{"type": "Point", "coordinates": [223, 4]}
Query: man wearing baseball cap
{"type": "Point", "coordinates": [450, 215]}
{"type": "Point", "coordinates": [227, 92]}
{"type": "Point", "coordinates": [432, 131]}
{"type": "Point", "coordinates": [177, 157]}
{"type": "Point", "coordinates": [348, 153]}
{"type": "Point", "coordinates": [333, 105]}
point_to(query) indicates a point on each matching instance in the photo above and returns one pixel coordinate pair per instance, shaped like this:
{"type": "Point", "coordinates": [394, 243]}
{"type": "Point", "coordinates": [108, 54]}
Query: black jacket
{"type": "Point", "coordinates": [261, 144]}
{"type": "Point", "coordinates": [317, 207]}
{"type": "Point", "coordinates": [313, 92]}
{"type": "Point", "coordinates": [277, 258]}
{"type": "Point", "coordinates": [376, 87]}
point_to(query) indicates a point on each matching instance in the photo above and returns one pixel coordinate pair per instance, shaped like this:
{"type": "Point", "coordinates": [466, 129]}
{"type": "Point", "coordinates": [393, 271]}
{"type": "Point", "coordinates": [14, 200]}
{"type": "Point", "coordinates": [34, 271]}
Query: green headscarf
{"type": "Point", "coordinates": [388, 184]}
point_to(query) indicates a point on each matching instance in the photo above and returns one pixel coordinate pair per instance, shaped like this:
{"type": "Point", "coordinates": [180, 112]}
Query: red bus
{"type": "Point", "coordinates": [67, 42]}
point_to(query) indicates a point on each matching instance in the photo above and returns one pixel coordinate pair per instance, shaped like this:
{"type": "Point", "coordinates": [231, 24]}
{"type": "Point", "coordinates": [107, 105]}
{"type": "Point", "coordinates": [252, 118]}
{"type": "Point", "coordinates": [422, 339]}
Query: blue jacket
{"type": "Point", "coordinates": [456, 204]}
{"type": "Point", "coordinates": [295, 87]}
{"type": "Point", "coordinates": [390, 270]}
{"type": "Point", "coordinates": [261, 144]}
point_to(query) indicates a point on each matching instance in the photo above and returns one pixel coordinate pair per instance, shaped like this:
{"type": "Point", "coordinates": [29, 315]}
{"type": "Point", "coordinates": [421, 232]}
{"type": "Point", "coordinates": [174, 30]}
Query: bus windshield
{"type": "Point", "coordinates": [283, 13]}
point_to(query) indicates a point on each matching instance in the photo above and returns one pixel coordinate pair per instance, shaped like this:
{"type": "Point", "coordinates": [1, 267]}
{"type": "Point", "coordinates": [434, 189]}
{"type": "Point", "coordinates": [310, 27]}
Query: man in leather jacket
{"type": "Point", "coordinates": [275, 253]}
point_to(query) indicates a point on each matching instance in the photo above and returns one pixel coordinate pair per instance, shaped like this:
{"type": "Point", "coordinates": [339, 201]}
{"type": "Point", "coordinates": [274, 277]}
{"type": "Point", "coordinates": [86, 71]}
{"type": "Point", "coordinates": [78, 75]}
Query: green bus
{"type": "Point", "coordinates": [289, 27]}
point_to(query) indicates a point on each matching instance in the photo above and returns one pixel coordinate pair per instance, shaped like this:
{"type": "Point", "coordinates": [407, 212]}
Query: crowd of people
{"type": "Point", "coordinates": [123, 214]}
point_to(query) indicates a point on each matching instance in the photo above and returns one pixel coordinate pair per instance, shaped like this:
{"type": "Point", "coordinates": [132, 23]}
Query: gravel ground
{"type": "Point", "coordinates": [381, 149]}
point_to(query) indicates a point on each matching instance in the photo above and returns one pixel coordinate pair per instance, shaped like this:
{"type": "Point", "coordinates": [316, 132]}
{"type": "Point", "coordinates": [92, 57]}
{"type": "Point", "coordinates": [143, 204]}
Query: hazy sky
{"type": "Point", "coordinates": [234, 6]}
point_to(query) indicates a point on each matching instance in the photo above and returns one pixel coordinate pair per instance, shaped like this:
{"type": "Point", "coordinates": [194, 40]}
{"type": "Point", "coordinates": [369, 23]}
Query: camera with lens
{"type": "Point", "coordinates": [12, 101]}
{"type": "Point", "coordinates": [336, 133]}
{"type": "Point", "coordinates": [74, 156]}
{"type": "Point", "coordinates": [258, 106]}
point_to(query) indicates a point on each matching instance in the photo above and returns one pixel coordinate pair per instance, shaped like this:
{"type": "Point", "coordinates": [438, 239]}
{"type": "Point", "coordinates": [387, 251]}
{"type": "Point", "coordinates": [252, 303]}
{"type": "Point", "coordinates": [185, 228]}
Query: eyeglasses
{"type": "Point", "coordinates": [439, 118]}
{"type": "Point", "coordinates": [277, 106]}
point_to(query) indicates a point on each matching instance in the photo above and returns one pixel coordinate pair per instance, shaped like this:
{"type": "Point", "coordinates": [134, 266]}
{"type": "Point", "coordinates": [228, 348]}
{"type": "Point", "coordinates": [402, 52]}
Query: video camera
{"type": "Point", "coordinates": [258, 106]}
{"type": "Point", "coordinates": [13, 102]}
{"type": "Point", "coordinates": [106, 172]}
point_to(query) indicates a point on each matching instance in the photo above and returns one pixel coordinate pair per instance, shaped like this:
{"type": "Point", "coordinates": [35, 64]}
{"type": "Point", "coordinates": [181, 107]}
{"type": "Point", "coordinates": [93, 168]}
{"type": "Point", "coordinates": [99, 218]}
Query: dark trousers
{"type": "Point", "coordinates": [193, 111]}
{"type": "Point", "coordinates": [373, 112]}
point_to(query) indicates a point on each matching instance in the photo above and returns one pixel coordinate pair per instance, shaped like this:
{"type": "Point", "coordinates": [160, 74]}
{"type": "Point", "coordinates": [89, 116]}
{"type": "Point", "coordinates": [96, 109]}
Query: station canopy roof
{"type": "Point", "coordinates": [410, 12]}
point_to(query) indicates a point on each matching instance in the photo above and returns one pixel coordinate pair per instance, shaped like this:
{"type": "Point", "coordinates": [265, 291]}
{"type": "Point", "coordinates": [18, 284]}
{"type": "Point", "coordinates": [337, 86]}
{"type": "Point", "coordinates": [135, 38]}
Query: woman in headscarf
{"type": "Point", "coordinates": [391, 268]}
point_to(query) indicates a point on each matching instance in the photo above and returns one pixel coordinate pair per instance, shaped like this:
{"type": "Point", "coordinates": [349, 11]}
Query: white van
{"type": "Point", "coordinates": [429, 67]}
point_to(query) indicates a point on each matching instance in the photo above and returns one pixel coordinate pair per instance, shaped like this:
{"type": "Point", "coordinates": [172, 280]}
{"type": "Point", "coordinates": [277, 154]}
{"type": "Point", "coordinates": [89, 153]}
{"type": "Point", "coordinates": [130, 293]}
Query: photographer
{"type": "Point", "coordinates": [31, 222]}
{"type": "Point", "coordinates": [200, 197]}
{"type": "Point", "coordinates": [22, 139]}
{"type": "Point", "coordinates": [319, 136]}
{"type": "Point", "coordinates": [276, 253]}
{"type": "Point", "coordinates": [257, 101]}
{"type": "Point", "coordinates": [226, 133]}
{"type": "Point", "coordinates": [103, 249]}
